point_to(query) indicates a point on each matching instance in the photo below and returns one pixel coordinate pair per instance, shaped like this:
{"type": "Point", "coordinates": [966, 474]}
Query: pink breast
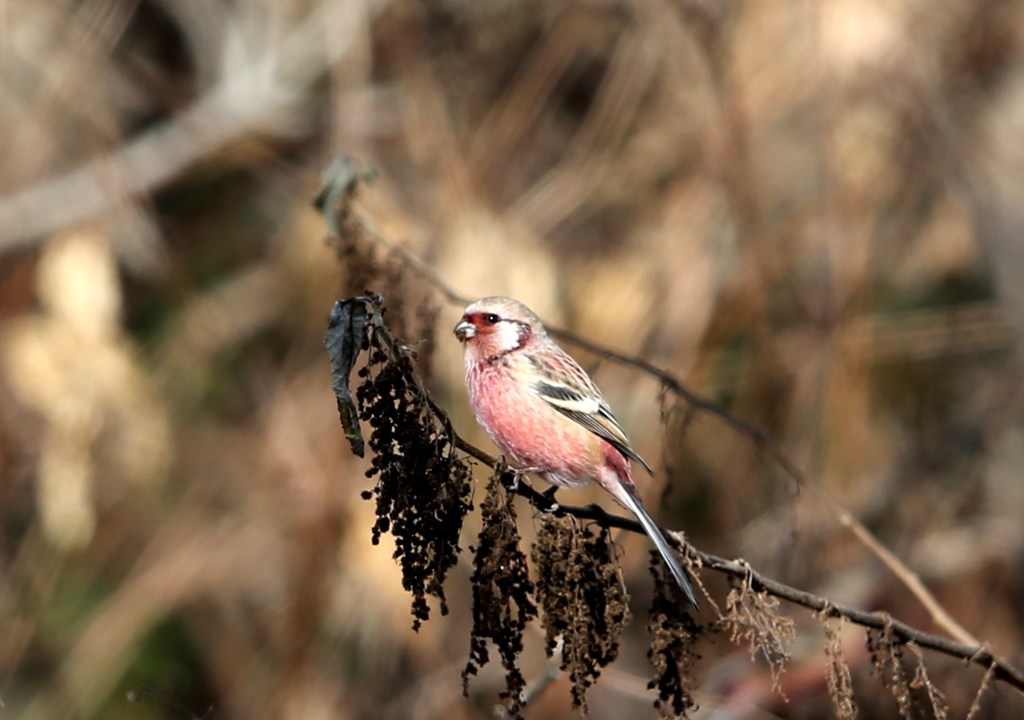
{"type": "Point", "coordinates": [528, 431]}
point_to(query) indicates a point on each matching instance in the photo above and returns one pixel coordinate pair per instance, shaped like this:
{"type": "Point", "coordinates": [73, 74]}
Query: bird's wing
{"type": "Point", "coordinates": [581, 402]}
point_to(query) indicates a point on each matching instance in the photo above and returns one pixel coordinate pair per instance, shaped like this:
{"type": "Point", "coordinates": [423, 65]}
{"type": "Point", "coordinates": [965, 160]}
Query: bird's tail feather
{"type": "Point", "coordinates": [633, 503]}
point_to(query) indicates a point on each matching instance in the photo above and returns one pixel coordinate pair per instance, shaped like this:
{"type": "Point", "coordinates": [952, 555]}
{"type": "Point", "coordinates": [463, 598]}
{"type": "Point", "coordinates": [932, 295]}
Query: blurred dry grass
{"type": "Point", "coordinates": [810, 211]}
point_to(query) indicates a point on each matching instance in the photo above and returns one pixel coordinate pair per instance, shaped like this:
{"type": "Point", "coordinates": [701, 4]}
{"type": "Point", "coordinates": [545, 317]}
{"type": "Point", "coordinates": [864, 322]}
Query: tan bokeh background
{"type": "Point", "coordinates": [810, 212]}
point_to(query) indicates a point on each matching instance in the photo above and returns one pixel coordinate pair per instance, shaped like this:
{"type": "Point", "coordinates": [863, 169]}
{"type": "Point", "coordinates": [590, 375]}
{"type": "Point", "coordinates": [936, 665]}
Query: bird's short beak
{"type": "Point", "coordinates": [465, 330]}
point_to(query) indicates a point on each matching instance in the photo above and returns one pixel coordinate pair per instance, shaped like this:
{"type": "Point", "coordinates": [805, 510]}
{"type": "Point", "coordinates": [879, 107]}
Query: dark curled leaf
{"type": "Point", "coordinates": [345, 339]}
{"type": "Point", "coordinates": [502, 591]}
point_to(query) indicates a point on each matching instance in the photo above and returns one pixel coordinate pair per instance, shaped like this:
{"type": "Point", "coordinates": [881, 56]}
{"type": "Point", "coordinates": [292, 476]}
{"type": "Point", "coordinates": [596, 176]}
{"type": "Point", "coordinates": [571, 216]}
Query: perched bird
{"type": "Point", "coordinates": [546, 414]}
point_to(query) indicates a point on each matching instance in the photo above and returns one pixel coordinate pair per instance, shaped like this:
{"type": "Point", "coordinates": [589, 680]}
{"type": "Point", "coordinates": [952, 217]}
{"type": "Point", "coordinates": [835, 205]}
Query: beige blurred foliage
{"type": "Point", "coordinates": [103, 422]}
{"type": "Point", "coordinates": [809, 212]}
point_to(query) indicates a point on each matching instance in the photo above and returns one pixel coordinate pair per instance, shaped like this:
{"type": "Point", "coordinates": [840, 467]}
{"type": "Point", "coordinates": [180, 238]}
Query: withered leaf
{"type": "Point", "coordinates": [345, 339]}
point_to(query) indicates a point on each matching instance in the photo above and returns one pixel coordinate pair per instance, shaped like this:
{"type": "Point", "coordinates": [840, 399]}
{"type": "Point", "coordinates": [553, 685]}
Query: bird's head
{"type": "Point", "coordinates": [496, 326]}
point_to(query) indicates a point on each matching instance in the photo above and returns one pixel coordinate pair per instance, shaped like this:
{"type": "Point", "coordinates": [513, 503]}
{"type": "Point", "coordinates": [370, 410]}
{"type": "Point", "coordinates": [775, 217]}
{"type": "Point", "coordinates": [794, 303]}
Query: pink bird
{"type": "Point", "coordinates": [546, 414]}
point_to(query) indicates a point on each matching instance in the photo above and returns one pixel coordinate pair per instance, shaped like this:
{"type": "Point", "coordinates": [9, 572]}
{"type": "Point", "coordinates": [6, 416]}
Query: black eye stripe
{"type": "Point", "coordinates": [491, 318]}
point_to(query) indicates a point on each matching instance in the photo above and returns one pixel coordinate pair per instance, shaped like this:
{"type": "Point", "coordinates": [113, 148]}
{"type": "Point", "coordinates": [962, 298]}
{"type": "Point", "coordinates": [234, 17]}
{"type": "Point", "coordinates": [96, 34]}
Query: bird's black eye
{"type": "Point", "coordinates": [491, 318]}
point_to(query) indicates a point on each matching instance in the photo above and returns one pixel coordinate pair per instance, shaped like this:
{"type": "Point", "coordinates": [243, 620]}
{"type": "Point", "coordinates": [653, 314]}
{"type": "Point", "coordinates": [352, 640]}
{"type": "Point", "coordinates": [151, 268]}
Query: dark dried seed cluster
{"type": "Point", "coordinates": [423, 488]}
{"type": "Point", "coordinates": [583, 599]}
{"type": "Point", "coordinates": [502, 592]}
{"type": "Point", "coordinates": [674, 634]}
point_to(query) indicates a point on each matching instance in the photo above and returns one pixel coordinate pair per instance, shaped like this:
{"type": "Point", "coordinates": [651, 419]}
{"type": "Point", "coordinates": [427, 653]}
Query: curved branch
{"type": "Point", "coordinates": [761, 439]}
{"type": "Point", "coordinates": [974, 653]}
{"type": "Point", "coordinates": [964, 647]}
{"type": "Point", "coordinates": [767, 444]}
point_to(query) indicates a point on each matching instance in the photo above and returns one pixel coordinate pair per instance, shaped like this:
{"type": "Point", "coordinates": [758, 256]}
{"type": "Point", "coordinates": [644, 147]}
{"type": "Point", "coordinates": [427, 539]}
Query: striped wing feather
{"type": "Point", "coordinates": [591, 411]}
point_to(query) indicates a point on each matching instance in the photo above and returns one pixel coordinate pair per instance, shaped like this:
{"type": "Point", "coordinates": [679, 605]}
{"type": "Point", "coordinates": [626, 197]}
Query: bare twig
{"type": "Point", "coordinates": [974, 653]}
{"type": "Point", "coordinates": [764, 442]}
{"type": "Point", "coordinates": [986, 682]}
{"type": "Point", "coordinates": [963, 647]}
{"type": "Point", "coordinates": [767, 444]}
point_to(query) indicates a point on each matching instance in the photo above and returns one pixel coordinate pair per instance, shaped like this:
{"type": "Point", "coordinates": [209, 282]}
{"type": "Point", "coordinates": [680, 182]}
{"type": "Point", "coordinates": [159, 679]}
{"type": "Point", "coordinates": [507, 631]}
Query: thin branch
{"type": "Point", "coordinates": [986, 682]}
{"type": "Point", "coordinates": [425, 270]}
{"type": "Point", "coordinates": [964, 647]}
{"type": "Point", "coordinates": [974, 653]}
{"type": "Point", "coordinates": [762, 441]}
{"type": "Point", "coordinates": [767, 444]}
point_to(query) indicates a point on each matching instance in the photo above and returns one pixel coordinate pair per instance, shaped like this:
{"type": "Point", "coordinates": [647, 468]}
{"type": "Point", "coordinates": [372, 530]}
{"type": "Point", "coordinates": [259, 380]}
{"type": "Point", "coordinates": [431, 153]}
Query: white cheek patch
{"type": "Point", "coordinates": [507, 335]}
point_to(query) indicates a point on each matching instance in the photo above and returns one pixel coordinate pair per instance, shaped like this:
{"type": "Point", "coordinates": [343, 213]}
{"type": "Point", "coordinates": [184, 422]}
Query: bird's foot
{"type": "Point", "coordinates": [517, 475]}
{"type": "Point", "coordinates": [549, 497]}
{"type": "Point", "coordinates": [513, 483]}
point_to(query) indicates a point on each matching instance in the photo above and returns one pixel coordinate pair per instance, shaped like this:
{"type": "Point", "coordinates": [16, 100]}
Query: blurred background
{"type": "Point", "coordinates": [811, 212]}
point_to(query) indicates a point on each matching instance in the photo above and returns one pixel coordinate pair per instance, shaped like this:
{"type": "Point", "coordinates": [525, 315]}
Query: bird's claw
{"type": "Point", "coordinates": [517, 475]}
{"type": "Point", "coordinates": [512, 483]}
{"type": "Point", "coordinates": [549, 497]}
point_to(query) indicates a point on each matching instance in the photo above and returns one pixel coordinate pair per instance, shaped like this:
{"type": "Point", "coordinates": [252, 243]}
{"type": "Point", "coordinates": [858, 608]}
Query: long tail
{"type": "Point", "coordinates": [633, 503]}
